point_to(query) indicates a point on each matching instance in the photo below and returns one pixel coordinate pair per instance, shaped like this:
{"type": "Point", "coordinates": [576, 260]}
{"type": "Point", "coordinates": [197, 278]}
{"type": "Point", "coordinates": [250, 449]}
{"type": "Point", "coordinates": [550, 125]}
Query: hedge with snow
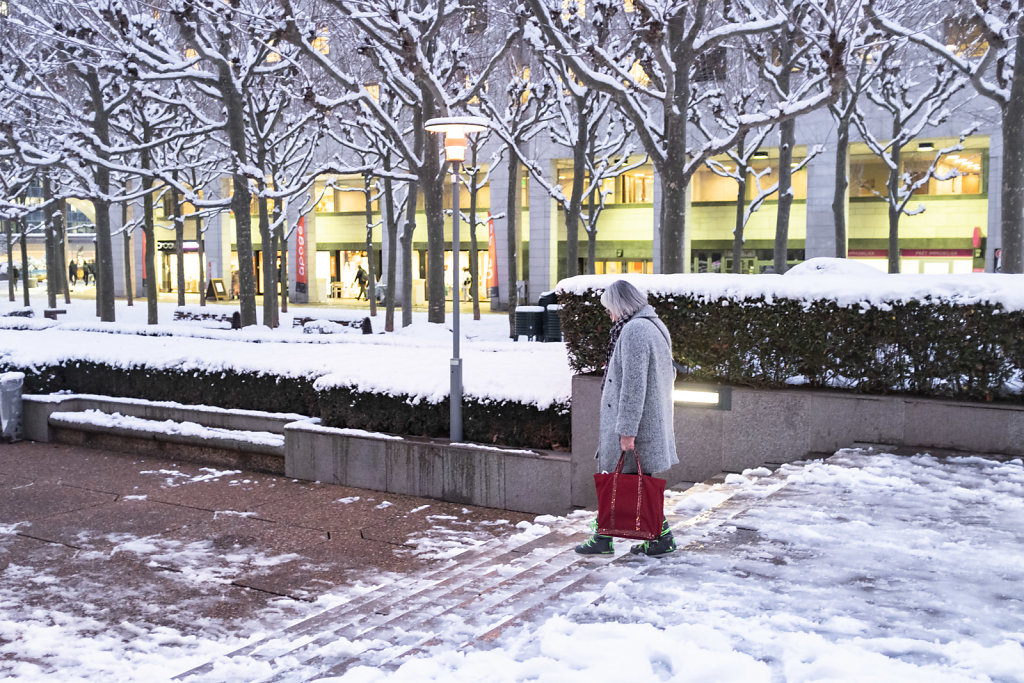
{"type": "Point", "coordinates": [957, 336]}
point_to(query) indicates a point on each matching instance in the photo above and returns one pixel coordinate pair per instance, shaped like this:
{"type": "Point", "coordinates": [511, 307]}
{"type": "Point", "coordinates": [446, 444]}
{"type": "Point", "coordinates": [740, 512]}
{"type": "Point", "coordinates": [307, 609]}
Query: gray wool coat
{"type": "Point", "coordinates": [637, 396]}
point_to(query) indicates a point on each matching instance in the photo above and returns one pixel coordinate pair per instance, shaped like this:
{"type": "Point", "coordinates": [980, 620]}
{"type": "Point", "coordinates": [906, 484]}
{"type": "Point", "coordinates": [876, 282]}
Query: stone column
{"type": "Point", "coordinates": [499, 201]}
{"type": "Point", "coordinates": [993, 184]}
{"type": "Point", "coordinates": [821, 175]}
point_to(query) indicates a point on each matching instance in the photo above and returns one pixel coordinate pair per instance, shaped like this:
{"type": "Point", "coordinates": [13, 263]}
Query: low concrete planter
{"type": "Point", "coordinates": [761, 426]}
{"type": "Point", "coordinates": [473, 474]}
{"type": "Point", "coordinates": [512, 479]}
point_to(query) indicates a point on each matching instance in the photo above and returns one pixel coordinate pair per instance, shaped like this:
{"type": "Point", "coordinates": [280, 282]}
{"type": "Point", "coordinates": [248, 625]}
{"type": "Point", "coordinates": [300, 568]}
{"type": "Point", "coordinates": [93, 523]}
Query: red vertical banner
{"type": "Point", "coordinates": [300, 255]}
{"type": "Point", "coordinates": [492, 256]}
{"type": "Point", "coordinates": [144, 264]}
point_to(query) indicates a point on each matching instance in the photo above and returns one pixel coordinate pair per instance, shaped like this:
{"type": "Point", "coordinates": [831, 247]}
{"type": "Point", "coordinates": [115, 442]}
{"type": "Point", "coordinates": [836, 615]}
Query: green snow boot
{"type": "Point", "coordinates": [662, 545]}
{"type": "Point", "coordinates": [597, 544]}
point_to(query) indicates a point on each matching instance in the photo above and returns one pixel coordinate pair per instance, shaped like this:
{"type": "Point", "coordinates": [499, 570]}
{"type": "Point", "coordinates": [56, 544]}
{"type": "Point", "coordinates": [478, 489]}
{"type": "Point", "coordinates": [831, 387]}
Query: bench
{"type": "Point", "coordinates": [233, 319]}
{"type": "Point", "coordinates": [52, 313]}
{"type": "Point", "coordinates": [363, 324]}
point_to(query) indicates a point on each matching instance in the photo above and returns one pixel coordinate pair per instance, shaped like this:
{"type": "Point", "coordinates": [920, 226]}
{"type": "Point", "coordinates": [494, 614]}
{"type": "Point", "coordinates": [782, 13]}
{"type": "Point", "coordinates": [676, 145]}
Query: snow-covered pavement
{"type": "Point", "coordinates": [864, 567]}
{"type": "Point", "coordinates": [861, 568]}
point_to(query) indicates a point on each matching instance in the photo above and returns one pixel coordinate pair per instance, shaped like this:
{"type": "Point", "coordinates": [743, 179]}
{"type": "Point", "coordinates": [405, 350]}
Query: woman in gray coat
{"type": "Point", "coordinates": [636, 401]}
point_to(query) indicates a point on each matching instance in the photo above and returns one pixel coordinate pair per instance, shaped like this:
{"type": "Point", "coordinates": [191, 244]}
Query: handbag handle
{"type": "Point", "coordinates": [618, 468]}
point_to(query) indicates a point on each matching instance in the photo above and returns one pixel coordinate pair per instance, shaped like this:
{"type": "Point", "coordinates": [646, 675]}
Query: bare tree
{"type": "Point", "coordinates": [412, 48]}
{"type": "Point", "coordinates": [914, 96]}
{"type": "Point", "coordinates": [983, 43]}
{"type": "Point", "coordinates": [646, 59]}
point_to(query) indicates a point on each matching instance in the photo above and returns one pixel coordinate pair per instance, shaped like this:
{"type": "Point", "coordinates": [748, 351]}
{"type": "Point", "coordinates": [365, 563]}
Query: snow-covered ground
{"type": "Point", "coordinates": [861, 568]}
{"type": "Point", "coordinates": [412, 361]}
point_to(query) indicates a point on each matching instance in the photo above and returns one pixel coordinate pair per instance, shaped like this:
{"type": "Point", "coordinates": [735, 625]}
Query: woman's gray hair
{"type": "Point", "coordinates": [623, 299]}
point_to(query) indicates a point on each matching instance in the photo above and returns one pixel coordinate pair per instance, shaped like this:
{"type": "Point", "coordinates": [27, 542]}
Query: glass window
{"type": "Point", "coordinates": [708, 186]}
{"type": "Point", "coordinates": [869, 174]}
{"type": "Point", "coordinates": [772, 177]}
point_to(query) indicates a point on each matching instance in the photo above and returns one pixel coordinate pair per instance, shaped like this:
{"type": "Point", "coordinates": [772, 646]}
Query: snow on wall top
{"type": "Point", "coordinates": [846, 289]}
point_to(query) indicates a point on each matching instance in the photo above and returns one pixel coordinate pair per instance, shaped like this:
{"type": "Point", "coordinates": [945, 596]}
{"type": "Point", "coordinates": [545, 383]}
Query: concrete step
{"type": "Point", "coordinates": [475, 599]}
{"type": "Point", "coordinates": [262, 451]}
{"type": "Point", "coordinates": [467, 566]}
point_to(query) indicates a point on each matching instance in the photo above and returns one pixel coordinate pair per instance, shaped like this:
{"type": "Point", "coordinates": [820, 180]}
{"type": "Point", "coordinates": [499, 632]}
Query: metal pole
{"type": "Point", "coordinates": [456, 364]}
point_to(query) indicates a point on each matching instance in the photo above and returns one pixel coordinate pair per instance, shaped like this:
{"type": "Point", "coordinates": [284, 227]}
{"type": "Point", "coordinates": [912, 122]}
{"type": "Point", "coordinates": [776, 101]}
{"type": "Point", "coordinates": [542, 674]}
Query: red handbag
{"type": "Point", "coordinates": [630, 505]}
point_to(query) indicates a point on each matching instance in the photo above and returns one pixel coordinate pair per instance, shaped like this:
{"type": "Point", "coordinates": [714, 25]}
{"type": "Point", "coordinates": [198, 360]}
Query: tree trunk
{"type": "Point", "coordinates": [269, 262]}
{"type": "Point", "coordinates": [839, 198]}
{"type": "Point", "coordinates": [579, 179]}
{"type": "Point", "coordinates": [391, 225]}
{"type": "Point", "coordinates": [202, 260]}
{"type": "Point", "coordinates": [591, 235]}
{"type": "Point", "coordinates": [1012, 185]}
{"type": "Point", "coordinates": [126, 240]}
{"type": "Point", "coordinates": [787, 138]}
{"type": "Point", "coordinates": [9, 234]}
{"type": "Point", "coordinates": [433, 196]}
{"type": "Point", "coordinates": [738, 239]}
{"type": "Point", "coordinates": [406, 240]}
{"type": "Point", "coordinates": [149, 251]}
{"type": "Point", "coordinates": [62, 239]}
{"type": "Point", "coordinates": [741, 203]}
{"type": "Point", "coordinates": [24, 262]}
{"type": "Point", "coordinates": [282, 241]}
{"type": "Point", "coordinates": [51, 244]}
{"type": "Point", "coordinates": [512, 241]}
{"type": "Point", "coordinates": [673, 220]}
{"type": "Point", "coordinates": [893, 186]}
{"type": "Point", "coordinates": [371, 270]}
{"type": "Point", "coordinates": [104, 252]}
{"type": "Point", "coordinates": [104, 260]}
{"type": "Point", "coordinates": [179, 244]}
{"type": "Point", "coordinates": [241, 197]}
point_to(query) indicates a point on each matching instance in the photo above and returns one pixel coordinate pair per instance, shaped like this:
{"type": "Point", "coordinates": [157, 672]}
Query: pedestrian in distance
{"type": "Point", "coordinates": [362, 279]}
{"type": "Point", "coordinates": [636, 403]}
{"type": "Point", "coordinates": [72, 273]}
{"type": "Point", "coordinates": [16, 276]}
{"type": "Point", "coordinates": [85, 273]}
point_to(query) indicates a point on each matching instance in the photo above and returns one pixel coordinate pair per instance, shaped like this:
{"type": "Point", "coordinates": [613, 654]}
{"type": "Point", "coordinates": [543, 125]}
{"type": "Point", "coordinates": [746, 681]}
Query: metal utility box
{"type": "Point", "coordinates": [10, 405]}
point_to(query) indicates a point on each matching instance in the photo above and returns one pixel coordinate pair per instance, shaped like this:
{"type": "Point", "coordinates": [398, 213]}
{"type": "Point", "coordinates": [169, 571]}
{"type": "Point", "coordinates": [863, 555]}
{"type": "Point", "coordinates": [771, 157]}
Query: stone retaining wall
{"type": "Point", "coordinates": [762, 426]}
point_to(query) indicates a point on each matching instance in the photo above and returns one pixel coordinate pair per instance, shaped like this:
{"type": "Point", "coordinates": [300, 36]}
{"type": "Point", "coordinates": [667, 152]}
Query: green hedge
{"type": "Point", "coordinates": [500, 422]}
{"type": "Point", "coordinates": [493, 422]}
{"type": "Point", "coordinates": [927, 347]}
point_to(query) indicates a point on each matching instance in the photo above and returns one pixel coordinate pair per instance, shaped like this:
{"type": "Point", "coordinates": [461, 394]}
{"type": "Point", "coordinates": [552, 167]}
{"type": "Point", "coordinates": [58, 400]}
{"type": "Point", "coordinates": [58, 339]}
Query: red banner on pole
{"type": "Point", "coordinates": [492, 256]}
{"type": "Point", "coordinates": [300, 255]}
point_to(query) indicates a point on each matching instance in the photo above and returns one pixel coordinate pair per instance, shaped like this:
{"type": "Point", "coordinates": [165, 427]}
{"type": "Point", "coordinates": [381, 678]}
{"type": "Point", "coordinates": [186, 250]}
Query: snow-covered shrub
{"type": "Point", "coordinates": [505, 423]}
{"type": "Point", "coordinates": [494, 422]}
{"type": "Point", "coordinates": [954, 336]}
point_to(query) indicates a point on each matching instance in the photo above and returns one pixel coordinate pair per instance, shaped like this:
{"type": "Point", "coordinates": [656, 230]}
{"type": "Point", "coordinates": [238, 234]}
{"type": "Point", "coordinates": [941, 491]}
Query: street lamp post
{"type": "Point", "coordinates": [455, 129]}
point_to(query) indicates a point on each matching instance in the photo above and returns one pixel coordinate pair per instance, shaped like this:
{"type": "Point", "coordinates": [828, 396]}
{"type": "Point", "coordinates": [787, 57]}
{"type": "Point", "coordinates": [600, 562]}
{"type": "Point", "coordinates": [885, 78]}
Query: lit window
{"type": "Point", "coordinates": [524, 75]}
{"type": "Point", "coordinates": [639, 76]}
{"type": "Point", "coordinates": [476, 15]}
{"type": "Point", "coordinates": [322, 42]}
{"type": "Point", "coordinates": [869, 174]}
{"type": "Point", "coordinates": [628, 6]}
{"type": "Point", "coordinates": [571, 7]}
{"type": "Point", "coordinates": [963, 37]}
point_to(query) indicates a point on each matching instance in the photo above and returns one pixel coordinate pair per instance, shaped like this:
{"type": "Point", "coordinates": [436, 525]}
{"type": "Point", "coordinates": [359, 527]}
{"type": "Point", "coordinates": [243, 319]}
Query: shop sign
{"type": "Point", "coordinates": [936, 253]}
{"type": "Point", "coordinates": [169, 245]}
